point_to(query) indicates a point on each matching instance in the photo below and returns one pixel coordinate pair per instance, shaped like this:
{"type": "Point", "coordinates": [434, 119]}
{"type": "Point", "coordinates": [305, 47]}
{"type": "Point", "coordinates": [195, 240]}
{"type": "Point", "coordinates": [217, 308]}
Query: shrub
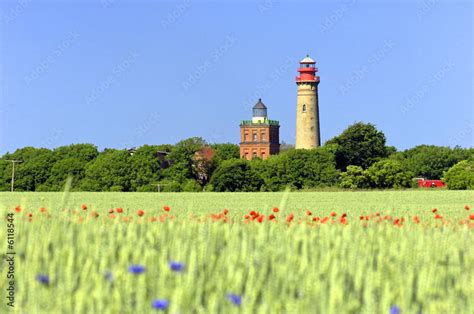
{"type": "Point", "coordinates": [235, 176]}
{"type": "Point", "coordinates": [461, 176]}
{"type": "Point", "coordinates": [389, 173]}
{"type": "Point", "coordinates": [354, 178]}
{"type": "Point", "coordinates": [191, 186]}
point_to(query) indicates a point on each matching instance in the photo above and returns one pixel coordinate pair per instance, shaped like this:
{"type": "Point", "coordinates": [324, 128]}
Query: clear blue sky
{"type": "Point", "coordinates": [121, 74]}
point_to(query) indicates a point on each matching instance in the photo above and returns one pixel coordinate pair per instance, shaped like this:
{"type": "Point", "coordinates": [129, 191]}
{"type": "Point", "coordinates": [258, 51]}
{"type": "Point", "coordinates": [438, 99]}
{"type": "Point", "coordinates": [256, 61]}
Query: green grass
{"type": "Point", "coordinates": [276, 268]}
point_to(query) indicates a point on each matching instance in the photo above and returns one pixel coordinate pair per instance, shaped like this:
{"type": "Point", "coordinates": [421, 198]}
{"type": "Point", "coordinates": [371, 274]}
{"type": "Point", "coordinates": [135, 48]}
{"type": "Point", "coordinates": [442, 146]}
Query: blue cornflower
{"type": "Point", "coordinates": [395, 310]}
{"type": "Point", "coordinates": [176, 266]}
{"type": "Point", "coordinates": [44, 279]}
{"type": "Point", "coordinates": [160, 304]}
{"type": "Point", "coordinates": [136, 269]}
{"type": "Point", "coordinates": [234, 298]}
{"type": "Point", "coordinates": [108, 276]}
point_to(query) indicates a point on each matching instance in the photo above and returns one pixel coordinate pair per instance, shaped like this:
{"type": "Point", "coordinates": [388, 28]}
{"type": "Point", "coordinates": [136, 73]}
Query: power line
{"type": "Point", "coordinates": [14, 161]}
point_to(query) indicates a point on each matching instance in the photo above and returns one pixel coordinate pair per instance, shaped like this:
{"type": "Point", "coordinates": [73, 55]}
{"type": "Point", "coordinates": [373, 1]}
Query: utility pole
{"type": "Point", "coordinates": [14, 161]}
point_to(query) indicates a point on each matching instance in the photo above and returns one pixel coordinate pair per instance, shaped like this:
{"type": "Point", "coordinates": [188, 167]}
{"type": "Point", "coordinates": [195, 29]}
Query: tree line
{"type": "Point", "coordinates": [358, 158]}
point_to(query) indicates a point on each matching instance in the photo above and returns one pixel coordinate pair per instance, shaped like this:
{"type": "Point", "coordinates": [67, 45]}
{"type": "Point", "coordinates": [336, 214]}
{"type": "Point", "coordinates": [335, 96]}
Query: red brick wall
{"type": "Point", "coordinates": [259, 141]}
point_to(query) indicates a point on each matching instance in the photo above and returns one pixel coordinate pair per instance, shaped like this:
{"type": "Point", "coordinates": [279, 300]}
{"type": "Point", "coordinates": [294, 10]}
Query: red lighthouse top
{"type": "Point", "coordinates": [307, 71]}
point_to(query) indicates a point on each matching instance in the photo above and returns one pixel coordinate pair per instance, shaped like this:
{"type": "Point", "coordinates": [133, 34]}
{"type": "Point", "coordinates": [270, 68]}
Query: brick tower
{"type": "Point", "coordinates": [259, 137]}
{"type": "Point", "coordinates": [307, 107]}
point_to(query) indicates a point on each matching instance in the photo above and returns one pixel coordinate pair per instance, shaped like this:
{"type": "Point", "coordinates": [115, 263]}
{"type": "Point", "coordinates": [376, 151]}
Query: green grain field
{"type": "Point", "coordinates": [276, 267]}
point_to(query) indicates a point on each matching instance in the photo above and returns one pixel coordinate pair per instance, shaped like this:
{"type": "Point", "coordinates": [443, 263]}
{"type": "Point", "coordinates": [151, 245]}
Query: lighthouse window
{"type": "Point", "coordinates": [304, 107]}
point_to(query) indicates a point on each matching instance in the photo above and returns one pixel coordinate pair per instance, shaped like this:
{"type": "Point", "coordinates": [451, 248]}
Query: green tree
{"type": "Point", "coordinates": [224, 152]}
{"type": "Point", "coordinates": [182, 160]}
{"type": "Point", "coordinates": [167, 185]}
{"type": "Point", "coordinates": [461, 176]}
{"type": "Point", "coordinates": [32, 172]}
{"type": "Point", "coordinates": [431, 161]}
{"type": "Point", "coordinates": [83, 152]}
{"type": "Point", "coordinates": [360, 145]}
{"type": "Point", "coordinates": [145, 169]}
{"type": "Point", "coordinates": [354, 178]}
{"type": "Point", "coordinates": [298, 168]}
{"type": "Point", "coordinates": [110, 171]}
{"type": "Point", "coordinates": [191, 186]}
{"type": "Point", "coordinates": [235, 175]}
{"type": "Point", "coordinates": [389, 173]}
{"type": "Point", "coordinates": [70, 161]}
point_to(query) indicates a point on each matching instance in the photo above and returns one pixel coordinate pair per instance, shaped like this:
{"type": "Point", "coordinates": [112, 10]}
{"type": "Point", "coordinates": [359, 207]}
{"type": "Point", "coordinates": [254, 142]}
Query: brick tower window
{"type": "Point", "coordinates": [255, 137]}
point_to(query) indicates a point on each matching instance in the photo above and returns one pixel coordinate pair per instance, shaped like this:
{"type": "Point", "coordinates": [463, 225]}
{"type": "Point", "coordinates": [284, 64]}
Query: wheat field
{"type": "Point", "coordinates": [298, 252]}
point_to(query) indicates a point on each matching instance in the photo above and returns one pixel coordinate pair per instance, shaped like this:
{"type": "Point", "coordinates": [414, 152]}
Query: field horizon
{"type": "Point", "coordinates": [373, 199]}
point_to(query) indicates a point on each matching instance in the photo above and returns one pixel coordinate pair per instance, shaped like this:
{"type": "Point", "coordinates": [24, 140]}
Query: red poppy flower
{"type": "Point", "coordinates": [84, 206]}
{"type": "Point", "coordinates": [308, 213]}
{"type": "Point", "coordinates": [253, 214]}
{"type": "Point", "coordinates": [140, 212]}
{"type": "Point", "coordinates": [42, 209]}
{"type": "Point", "coordinates": [434, 210]}
{"type": "Point", "coordinates": [260, 218]}
{"type": "Point", "coordinates": [166, 208]}
{"type": "Point", "coordinates": [466, 207]}
{"type": "Point", "coordinates": [29, 215]}
{"type": "Point", "coordinates": [416, 219]}
{"type": "Point", "coordinates": [290, 217]}
{"type": "Point", "coordinates": [324, 220]}
{"type": "Point", "coordinates": [344, 215]}
{"type": "Point", "coordinates": [316, 218]}
{"type": "Point", "coordinates": [112, 216]}
{"type": "Point", "coordinates": [18, 209]}
{"type": "Point", "coordinates": [120, 210]}
{"type": "Point", "coordinates": [333, 214]}
{"type": "Point", "coordinates": [438, 216]}
{"type": "Point", "coordinates": [226, 211]}
{"type": "Point", "coordinates": [471, 217]}
{"type": "Point", "coordinates": [111, 211]}
{"type": "Point", "coordinates": [246, 216]}
{"type": "Point", "coordinates": [275, 209]}
{"type": "Point", "coordinates": [362, 217]}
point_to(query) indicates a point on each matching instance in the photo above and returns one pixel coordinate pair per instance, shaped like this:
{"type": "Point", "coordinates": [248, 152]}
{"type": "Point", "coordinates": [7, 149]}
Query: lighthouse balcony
{"type": "Point", "coordinates": [307, 70]}
{"type": "Point", "coordinates": [306, 78]}
{"type": "Point", "coordinates": [263, 122]}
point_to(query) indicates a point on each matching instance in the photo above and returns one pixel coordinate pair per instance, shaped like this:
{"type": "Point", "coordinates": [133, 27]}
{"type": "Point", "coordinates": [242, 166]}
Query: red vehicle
{"type": "Point", "coordinates": [423, 183]}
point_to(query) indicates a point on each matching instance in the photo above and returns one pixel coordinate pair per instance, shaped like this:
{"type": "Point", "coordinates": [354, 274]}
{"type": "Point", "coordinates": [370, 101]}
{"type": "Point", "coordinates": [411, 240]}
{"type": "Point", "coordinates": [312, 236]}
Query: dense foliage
{"type": "Point", "coordinates": [356, 159]}
{"type": "Point", "coordinates": [359, 145]}
{"type": "Point", "coordinates": [461, 175]}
